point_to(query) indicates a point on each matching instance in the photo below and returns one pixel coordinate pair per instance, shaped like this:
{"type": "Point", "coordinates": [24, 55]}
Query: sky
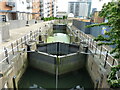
{"type": "Point", "coordinates": [63, 4]}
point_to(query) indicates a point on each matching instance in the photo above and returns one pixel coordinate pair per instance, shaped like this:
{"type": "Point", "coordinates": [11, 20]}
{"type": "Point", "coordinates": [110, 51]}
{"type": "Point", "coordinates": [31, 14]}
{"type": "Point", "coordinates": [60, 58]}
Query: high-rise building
{"type": "Point", "coordinates": [27, 9]}
{"type": "Point", "coordinates": [23, 9]}
{"type": "Point", "coordinates": [16, 9]}
{"type": "Point", "coordinates": [5, 7]}
{"type": "Point", "coordinates": [36, 9]}
{"type": "Point", "coordinates": [79, 9]}
{"type": "Point", "coordinates": [48, 8]}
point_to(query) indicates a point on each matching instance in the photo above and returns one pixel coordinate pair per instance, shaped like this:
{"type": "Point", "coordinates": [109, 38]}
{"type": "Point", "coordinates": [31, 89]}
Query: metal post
{"type": "Point", "coordinates": [14, 83]}
{"type": "Point", "coordinates": [25, 39]}
{"type": "Point", "coordinates": [46, 37]}
{"type": "Point", "coordinates": [96, 48]}
{"type": "Point", "coordinates": [34, 35]}
{"type": "Point", "coordinates": [106, 59]}
{"type": "Point", "coordinates": [39, 32]}
{"type": "Point", "coordinates": [30, 35]}
{"type": "Point", "coordinates": [92, 44]}
{"type": "Point", "coordinates": [21, 43]}
{"type": "Point", "coordinates": [6, 55]}
{"type": "Point", "coordinates": [17, 46]}
{"type": "Point", "coordinates": [88, 41]}
{"type": "Point", "coordinates": [100, 51]}
{"type": "Point", "coordinates": [113, 62]}
{"type": "Point", "coordinates": [12, 48]}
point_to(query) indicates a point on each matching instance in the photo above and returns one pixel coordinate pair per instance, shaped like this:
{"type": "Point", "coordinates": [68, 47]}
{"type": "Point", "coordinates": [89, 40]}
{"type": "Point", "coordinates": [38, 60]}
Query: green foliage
{"type": "Point", "coordinates": [111, 11]}
{"type": "Point", "coordinates": [64, 17]}
{"type": "Point", "coordinates": [49, 18]}
{"type": "Point", "coordinates": [114, 83]}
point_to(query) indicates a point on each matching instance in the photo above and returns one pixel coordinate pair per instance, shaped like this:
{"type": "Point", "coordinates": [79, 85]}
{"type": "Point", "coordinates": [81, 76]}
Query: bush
{"type": "Point", "coordinates": [50, 18]}
{"type": "Point", "coordinates": [112, 80]}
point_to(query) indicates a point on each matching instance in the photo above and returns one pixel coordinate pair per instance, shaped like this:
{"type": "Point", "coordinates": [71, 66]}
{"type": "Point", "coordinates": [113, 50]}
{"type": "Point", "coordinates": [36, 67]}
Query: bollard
{"type": "Point", "coordinates": [35, 22]}
{"type": "Point", "coordinates": [85, 48]}
{"type": "Point", "coordinates": [40, 38]}
{"type": "Point", "coordinates": [26, 22]}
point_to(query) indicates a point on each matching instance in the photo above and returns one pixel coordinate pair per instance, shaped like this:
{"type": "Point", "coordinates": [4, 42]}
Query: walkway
{"type": "Point", "coordinates": [101, 52]}
{"type": "Point", "coordinates": [20, 32]}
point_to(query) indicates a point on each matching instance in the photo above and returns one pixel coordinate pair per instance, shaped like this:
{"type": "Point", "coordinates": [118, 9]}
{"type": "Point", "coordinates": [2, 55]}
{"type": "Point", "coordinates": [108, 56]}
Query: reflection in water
{"type": "Point", "coordinates": [33, 76]}
{"type": "Point", "coordinates": [58, 37]}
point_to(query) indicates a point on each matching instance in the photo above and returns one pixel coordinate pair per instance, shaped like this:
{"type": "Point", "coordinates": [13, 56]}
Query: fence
{"type": "Point", "coordinates": [15, 47]}
{"type": "Point", "coordinates": [101, 51]}
{"type": "Point", "coordinates": [18, 45]}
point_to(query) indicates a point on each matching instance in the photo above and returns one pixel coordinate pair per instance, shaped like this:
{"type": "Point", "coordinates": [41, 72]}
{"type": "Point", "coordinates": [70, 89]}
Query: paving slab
{"type": "Point", "coordinates": [20, 32]}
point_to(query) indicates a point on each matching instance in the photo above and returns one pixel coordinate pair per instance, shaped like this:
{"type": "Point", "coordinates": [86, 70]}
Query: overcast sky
{"type": "Point", "coordinates": [63, 4]}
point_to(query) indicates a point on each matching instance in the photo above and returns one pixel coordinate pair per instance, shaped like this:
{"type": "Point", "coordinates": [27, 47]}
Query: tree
{"type": "Point", "coordinates": [111, 11]}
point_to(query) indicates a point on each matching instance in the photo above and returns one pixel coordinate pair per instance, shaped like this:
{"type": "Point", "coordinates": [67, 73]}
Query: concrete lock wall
{"type": "Point", "coordinates": [48, 63]}
{"type": "Point", "coordinates": [97, 72]}
{"type": "Point", "coordinates": [71, 62]}
{"type": "Point", "coordinates": [15, 70]}
{"type": "Point", "coordinates": [42, 61]}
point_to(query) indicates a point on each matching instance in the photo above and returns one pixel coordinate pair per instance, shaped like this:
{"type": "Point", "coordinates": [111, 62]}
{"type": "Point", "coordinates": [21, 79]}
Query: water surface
{"type": "Point", "coordinates": [45, 80]}
{"type": "Point", "coordinates": [59, 37]}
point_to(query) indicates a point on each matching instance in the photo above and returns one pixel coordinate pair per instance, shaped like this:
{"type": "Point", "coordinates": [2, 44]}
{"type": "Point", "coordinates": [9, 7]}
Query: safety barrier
{"type": "Point", "coordinates": [16, 47]}
{"type": "Point", "coordinates": [101, 51]}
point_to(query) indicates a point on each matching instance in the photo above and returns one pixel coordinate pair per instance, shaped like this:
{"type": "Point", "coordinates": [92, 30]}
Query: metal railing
{"type": "Point", "coordinates": [101, 51]}
{"type": "Point", "coordinates": [18, 45]}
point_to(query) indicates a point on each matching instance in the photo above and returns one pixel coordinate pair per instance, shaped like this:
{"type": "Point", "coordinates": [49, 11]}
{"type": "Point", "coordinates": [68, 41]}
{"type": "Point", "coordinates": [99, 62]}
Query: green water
{"type": "Point", "coordinates": [59, 37]}
{"type": "Point", "coordinates": [45, 80]}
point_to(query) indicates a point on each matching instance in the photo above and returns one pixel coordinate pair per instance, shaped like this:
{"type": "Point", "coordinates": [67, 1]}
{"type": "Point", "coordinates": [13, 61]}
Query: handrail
{"type": "Point", "coordinates": [101, 51]}
{"type": "Point", "coordinates": [16, 45]}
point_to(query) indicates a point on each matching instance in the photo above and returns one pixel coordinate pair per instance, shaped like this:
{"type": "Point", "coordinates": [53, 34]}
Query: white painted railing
{"type": "Point", "coordinates": [101, 51]}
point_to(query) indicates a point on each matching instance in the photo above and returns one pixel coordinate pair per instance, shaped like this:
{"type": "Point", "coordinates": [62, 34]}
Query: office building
{"type": "Point", "coordinates": [79, 9]}
{"type": "Point", "coordinates": [48, 8]}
